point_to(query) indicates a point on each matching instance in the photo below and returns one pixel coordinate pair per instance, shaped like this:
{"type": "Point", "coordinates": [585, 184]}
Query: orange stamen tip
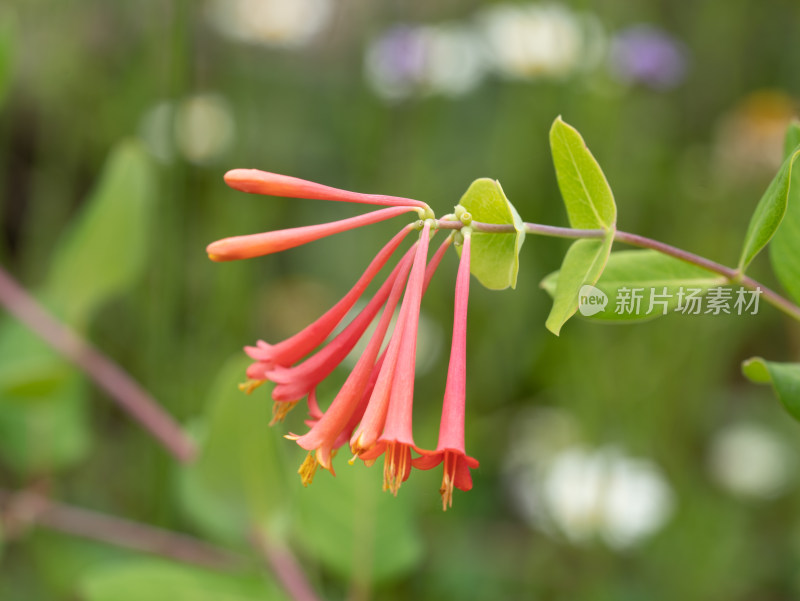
{"type": "Point", "coordinates": [280, 409]}
{"type": "Point", "coordinates": [395, 466]}
{"type": "Point", "coordinates": [249, 386]}
{"type": "Point", "coordinates": [446, 491]}
{"type": "Point", "coordinates": [308, 468]}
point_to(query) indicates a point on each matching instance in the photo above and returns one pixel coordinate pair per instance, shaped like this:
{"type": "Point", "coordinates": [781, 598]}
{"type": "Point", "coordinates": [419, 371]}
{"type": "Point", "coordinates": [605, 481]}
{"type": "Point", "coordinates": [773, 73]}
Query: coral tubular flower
{"type": "Point", "coordinates": [326, 431]}
{"type": "Point", "coordinates": [397, 439]}
{"type": "Point", "coordinates": [373, 409]}
{"type": "Point", "coordinates": [296, 382]}
{"type": "Point", "coordinates": [366, 435]}
{"type": "Point", "coordinates": [257, 245]}
{"type": "Point", "coordinates": [273, 184]}
{"type": "Point", "coordinates": [301, 344]}
{"type": "Point", "coordinates": [450, 448]}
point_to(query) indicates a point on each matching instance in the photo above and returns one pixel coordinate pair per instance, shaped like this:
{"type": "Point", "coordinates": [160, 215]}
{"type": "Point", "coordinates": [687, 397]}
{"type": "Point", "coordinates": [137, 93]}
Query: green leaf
{"type": "Point", "coordinates": [104, 251]}
{"type": "Point", "coordinates": [586, 193]}
{"type": "Point", "coordinates": [785, 379]}
{"type": "Point", "coordinates": [784, 250]}
{"type": "Point", "coordinates": [583, 264]}
{"type": "Point", "coordinates": [356, 529]}
{"type": "Point", "coordinates": [238, 481]}
{"type": "Point", "coordinates": [43, 411]}
{"type": "Point", "coordinates": [769, 213]}
{"type": "Point", "coordinates": [651, 271]}
{"type": "Point", "coordinates": [159, 580]}
{"type": "Point", "coordinates": [494, 258]}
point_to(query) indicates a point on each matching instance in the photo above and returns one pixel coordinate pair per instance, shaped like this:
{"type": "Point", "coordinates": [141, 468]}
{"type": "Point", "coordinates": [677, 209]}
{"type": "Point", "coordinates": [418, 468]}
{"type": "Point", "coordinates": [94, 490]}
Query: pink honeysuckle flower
{"type": "Point", "coordinates": [274, 184]}
{"type": "Point", "coordinates": [257, 245]}
{"type": "Point", "coordinates": [328, 428]}
{"type": "Point", "coordinates": [397, 440]}
{"type": "Point", "coordinates": [450, 448]}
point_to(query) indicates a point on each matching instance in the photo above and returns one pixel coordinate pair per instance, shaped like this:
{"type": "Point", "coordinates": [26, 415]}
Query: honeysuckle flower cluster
{"type": "Point", "coordinates": [372, 411]}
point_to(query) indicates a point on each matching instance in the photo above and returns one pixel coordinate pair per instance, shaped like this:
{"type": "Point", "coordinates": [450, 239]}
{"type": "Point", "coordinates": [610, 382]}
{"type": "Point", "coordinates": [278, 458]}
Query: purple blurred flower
{"type": "Point", "coordinates": [650, 56]}
{"type": "Point", "coordinates": [424, 59]}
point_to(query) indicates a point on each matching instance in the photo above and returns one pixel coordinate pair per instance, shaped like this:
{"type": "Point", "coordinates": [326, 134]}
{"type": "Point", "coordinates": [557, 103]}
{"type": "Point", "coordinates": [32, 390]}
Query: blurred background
{"type": "Point", "coordinates": [617, 462]}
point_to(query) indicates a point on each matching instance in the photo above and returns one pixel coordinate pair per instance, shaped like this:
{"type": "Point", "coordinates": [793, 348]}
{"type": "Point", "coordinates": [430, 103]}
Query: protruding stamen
{"type": "Point", "coordinates": [280, 409]}
{"type": "Point", "coordinates": [249, 386]}
{"type": "Point", "coordinates": [308, 468]}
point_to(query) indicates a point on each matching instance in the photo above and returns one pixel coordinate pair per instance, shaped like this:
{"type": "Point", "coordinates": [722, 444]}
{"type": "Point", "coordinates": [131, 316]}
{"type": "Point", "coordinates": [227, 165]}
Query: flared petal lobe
{"type": "Point", "coordinates": [450, 448]}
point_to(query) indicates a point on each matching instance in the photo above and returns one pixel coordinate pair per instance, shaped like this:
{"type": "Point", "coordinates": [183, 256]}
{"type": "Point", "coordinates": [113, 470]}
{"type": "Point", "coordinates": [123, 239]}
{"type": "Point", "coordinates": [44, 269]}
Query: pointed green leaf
{"type": "Point", "coordinates": [160, 580]}
{"type": "Point", "coordinates": [785, 379]}
{"type": "Point", "coordinates": [104, 251]}
{"type": "Point", "coordinates": [586, 193]}
{"type": "Point", "coordinates": [769, 212]}
{"type": "Point", "coordinates": [659, 277]}
{"type": "Point", "coordinates": [356, 529]}
{"type": "Point", "coordinates": [238, 481]}
{"type": "Point", "coordinates": [494, 258]}
{"type": "Point", "coordinates": [784, 250]}
{"type": "Point", "coordinates": [583, 264]}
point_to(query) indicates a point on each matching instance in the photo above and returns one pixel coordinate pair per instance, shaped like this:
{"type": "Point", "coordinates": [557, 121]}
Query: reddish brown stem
{"type": "Point", "coordinates": [109, 376]}
{"type": "Point", "coordinates": [27, 508]}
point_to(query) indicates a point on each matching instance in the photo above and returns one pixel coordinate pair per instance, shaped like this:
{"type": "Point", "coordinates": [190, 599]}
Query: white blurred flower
{"type": "Point", "coordinates": [567, 490]}
{"type": "Point", "coordinates": [156, 131]}
{"type": "Point", "coordinates": [280, 23]}
{"type": "Point", "coordinates": [200, 128]}
{"type": "Point", "coordinates": [204, 127]}
{"type": "Point", "coordinates": [407, 61]}
{"type": "Point", "coordinates": [541, 40]}
{"type": "Point", "coordinates": [752, 461]}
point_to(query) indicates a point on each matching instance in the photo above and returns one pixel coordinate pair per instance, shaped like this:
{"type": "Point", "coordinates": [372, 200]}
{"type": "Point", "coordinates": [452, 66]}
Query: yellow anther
{"type": "Point", "coordinates": [308, 468]}
{"type": "Point", "coordinates": [250, 385]}
{"type": "Point", "coordinates": [280, 409]}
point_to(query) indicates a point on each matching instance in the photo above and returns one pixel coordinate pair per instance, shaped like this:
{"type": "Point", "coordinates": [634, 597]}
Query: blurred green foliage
{"type": "Point", "coordinates": [79, 81]}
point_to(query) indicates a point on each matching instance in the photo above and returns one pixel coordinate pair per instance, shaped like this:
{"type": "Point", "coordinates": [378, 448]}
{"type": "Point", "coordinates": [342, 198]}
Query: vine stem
{"type": "Point", "coordinates": [284, 565]}
{"type": "Point", "coordinates": [22, 509]}
{"type": "Point", "coordinates": [121, 387]}
{"type": "Point", "coordinates": [731, 274]}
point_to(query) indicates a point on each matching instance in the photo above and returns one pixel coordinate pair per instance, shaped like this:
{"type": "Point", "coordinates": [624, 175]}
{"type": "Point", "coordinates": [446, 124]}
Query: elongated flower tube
{"type": "Point", "coordinates": [397, 439]}
{"type": "Point", "coordinates": [450, 448]}
{"type": "Point", "coordinates": [274, 184]}
{"type": "Point", "coordinates": [325, 433]}
{"type": "Point", "coordinates": [296, 382]}
{"type": "Point", "coordinates": [366, 435]}
{"type": "Point", "coordinates": [257, 245]}
{"type": "Point", "coordinates": [301, 344]}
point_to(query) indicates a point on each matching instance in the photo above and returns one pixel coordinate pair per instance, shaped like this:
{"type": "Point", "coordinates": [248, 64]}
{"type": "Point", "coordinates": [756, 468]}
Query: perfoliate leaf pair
{"type": "Point", "coordinates": [590, 205]}
{"type": "Point", "coordinates": [495, 257]}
